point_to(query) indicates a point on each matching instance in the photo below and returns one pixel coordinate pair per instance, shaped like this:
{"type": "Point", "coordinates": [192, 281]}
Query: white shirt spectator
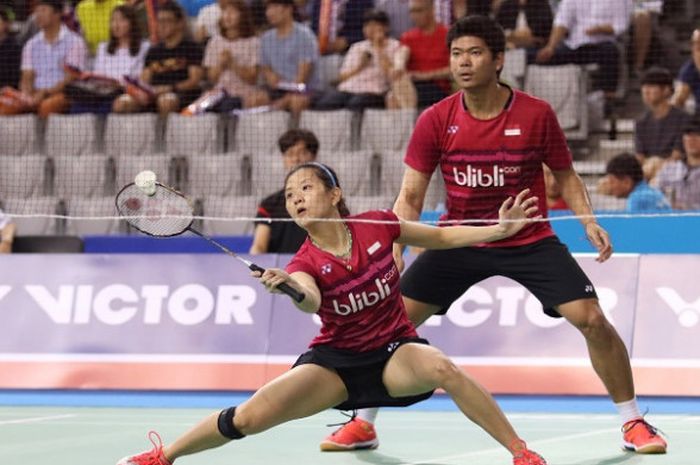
{"type": "Point", "coordinates": [4, 220]}
{"type": "Point", "coordinates": [577, 16]}
{"type": "Point", "coordinates": [46, 59]}
{"type": "Point", "coordinates": [371, 80]}
{"type": "Point", "coordinates": [121, 63]}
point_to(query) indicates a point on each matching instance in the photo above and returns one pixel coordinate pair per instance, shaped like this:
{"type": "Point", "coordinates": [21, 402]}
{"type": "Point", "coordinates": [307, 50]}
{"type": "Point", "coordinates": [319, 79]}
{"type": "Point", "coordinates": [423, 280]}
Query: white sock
{"type": "Point", "coordinates": [628, 410]}
{"type": "Point", "coordinates": [368, 414]}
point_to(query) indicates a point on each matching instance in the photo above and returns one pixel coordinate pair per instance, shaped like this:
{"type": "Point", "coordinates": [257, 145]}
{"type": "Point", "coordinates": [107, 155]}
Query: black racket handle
{"type": "Point", "coordinates": [284, 287]}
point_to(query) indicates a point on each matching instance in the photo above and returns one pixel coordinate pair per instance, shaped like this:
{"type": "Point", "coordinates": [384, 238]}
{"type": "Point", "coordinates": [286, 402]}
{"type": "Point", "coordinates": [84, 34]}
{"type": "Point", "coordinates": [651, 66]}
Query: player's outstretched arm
{"type": "Point", "coordinates": [513, 215]}
{"type": "Point", "coordinates": [302, 282]}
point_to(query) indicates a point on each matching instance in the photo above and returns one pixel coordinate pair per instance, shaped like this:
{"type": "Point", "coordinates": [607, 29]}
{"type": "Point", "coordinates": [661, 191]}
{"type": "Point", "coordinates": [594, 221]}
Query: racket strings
{"type": "Point", "coordinates": [165, 213]}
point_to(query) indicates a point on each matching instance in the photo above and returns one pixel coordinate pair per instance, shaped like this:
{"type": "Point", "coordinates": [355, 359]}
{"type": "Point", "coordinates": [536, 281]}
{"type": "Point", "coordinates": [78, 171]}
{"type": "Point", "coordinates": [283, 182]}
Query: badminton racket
{"type": "Point", "coordinates": [168, 213]}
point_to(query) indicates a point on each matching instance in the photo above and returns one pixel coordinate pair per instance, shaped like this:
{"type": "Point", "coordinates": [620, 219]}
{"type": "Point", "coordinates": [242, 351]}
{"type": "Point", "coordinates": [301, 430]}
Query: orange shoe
{"type": "Point", "coordinates": [353, 435]}
{"type": "Point", "coordinates": [152, 457]}
{"type": "Point", "coordinates": [523, 455]}
{"type": "Point", "coordinates": [642, 438]}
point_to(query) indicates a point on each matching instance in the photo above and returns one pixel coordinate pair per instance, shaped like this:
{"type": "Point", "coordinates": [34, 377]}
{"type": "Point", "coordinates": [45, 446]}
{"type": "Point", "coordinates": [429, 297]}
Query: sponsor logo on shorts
{"type": "Point", "coordinates": [392, 346]}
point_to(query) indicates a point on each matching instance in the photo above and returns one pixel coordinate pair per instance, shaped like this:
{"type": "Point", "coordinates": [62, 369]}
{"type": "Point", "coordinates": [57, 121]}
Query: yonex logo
{"type": "Point", "coordinates": [325, 269]}
{"type": "Point", "coordinates": [392, 346]}
{"type": "Point", "coordinates": [588, 288]}
{"type": "Point", "coordinates": [452, 129]}
{"type": "Point", "coordinates": [688, 312]}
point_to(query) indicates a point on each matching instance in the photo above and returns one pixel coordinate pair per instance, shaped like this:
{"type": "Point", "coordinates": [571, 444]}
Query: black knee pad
{"type": "Point", "coordinates": [226, 426]}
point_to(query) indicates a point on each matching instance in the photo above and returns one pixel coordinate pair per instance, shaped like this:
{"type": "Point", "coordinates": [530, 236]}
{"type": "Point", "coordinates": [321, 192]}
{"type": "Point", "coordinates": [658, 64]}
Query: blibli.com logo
{"type": "Point", "coordinates": [359, 302]}
{"type": "Point", "coordinates": [478, 177]}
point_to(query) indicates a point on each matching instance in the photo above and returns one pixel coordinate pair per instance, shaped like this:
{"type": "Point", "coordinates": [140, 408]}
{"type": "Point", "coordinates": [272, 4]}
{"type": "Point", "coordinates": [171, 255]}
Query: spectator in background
{"type": "Point", "coordinates": [680, 179]}
{"type": "Point", "coordinates": [555, 201]}
{"type": "Point", "coordinates": [297, 146]}
{"type": "Point", "coordinates": [10, 52]}
{"type": "Point", "coordinates": [122, 56]}
{"type": "Point", "coordinates": [399, 17]}
{"type": "Point", "coordinates": [527, 24]}
{"type": "Point", "coordinates": [344, 25]}
{"type": "Point", "coordinates": [626, 180]}
{"type": "Point", "coordinates": [429, 60]}
{"type": "Point", "coordinates": [657, 134]}
{"type": "Point", "coordinates": [94, 17]}
{"type": "Point", "coordinates": [367, 70]}
{"type": "Point", "coordinates": [207, 23]}
{"type": "Point", "coordinates": [7, 233]}
{"type": "Point", "coordinates": [173, 67]}
{"type": "Point", "coordinates": [586, 32]}
{"type": "Point", "coordinates": [288, 56]}
{"type": "Point", "coordinates": [231, 56]}
{"type": "Point", "coordinates": [43, 58]}
{"type": "Point", "coordinates": [689, 76]}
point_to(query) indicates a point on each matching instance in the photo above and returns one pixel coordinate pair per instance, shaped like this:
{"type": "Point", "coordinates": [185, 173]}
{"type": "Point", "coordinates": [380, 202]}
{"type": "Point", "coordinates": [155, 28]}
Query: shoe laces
{"type": "Point", "coordinates": [654, 431]}
{"type": "Point", "coordinates": [351, 417]}
{"type": "Point", "coordinates": [154, 456]}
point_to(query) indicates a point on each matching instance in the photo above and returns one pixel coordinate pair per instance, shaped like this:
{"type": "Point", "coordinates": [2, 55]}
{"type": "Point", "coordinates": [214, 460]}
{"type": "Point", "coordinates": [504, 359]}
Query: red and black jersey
{"type": "Point", "coordinates": [485, 161]}
{"type": "Point", "coordinates": [361, 306]}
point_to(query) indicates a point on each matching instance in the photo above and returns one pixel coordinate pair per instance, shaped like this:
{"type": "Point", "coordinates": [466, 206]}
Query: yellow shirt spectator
{"type": "Point", "coordinates": [94, 17]}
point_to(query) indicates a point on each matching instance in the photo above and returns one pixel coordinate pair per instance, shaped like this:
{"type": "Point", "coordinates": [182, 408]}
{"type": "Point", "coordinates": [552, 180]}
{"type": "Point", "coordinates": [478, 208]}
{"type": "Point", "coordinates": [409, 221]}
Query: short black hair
{"type": "Point", "coordinates": [174, 8]}
{"type": "Point", "coordinates": [692, 126]}
{"type": "Point", "coordinates": [378, 16]}
{"type": "Point", "coordinates": [657, 76]}
{"type": "Point", "coordinates": [57, 5]}
{"type": "Point", "coordinates": [625, 165]}
{"type": "Point", "coordinates": [482, 27]}
{"type": "Point", "coordinates": [294, 136]}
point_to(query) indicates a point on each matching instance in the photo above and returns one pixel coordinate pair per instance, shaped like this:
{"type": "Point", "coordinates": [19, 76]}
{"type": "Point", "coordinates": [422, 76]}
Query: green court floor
{"type": "Point", "coordinates": [97, 436]}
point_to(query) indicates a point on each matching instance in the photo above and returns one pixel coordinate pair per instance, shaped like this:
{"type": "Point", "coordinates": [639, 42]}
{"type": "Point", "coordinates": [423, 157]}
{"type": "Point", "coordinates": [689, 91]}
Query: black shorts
{"type": "Point", "coordinates": [362, 373]}
{"type": "Point", "coordinates": [545, 268]}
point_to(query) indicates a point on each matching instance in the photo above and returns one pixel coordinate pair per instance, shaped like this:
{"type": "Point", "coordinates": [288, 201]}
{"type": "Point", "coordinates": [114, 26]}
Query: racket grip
{"type": "Point", "coordinates": [284, 287]}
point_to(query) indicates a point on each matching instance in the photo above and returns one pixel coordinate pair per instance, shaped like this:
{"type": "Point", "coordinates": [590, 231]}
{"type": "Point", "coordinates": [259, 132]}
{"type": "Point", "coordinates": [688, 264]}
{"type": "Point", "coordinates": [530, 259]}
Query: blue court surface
{"type": "Point", "coordinates": [89, 428]}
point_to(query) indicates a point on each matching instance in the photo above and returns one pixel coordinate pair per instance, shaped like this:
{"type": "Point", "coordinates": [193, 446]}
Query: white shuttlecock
{"type": "Point", "coordinates": [146, 181]}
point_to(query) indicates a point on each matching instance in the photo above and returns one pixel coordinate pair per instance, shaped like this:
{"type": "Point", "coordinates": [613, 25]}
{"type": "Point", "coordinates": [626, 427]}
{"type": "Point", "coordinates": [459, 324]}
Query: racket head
{"type": "Point", "coordinates": [166, 213]}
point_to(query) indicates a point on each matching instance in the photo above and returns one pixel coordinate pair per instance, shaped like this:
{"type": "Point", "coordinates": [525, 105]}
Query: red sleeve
{"type": "Point", "coordinates": [558, 155]}
{"type": "Point", "coordinates": [301, 262]}
{"type": "Point", "coordinates": [423, 153]}
{"type": "Point", "coordinates": [393, 229]}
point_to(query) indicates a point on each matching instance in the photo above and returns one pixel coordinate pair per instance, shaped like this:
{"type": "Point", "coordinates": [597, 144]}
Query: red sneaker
{"type": "Point", "coordinates": [152, 457]}
{"type": "Point", "coordinates": [642, 438]}
{"type": "Point", "coordinates": [353, 435]}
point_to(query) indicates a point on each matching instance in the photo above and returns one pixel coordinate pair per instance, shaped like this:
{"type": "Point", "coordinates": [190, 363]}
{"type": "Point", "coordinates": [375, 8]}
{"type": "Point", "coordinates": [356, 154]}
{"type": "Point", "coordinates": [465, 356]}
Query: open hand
{"type": "Point", "coordinates": [514, 214]}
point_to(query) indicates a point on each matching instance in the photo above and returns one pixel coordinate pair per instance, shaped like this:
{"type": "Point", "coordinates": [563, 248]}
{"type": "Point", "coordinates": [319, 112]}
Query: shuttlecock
{"type": "Point", "coordinates": [146, 181]}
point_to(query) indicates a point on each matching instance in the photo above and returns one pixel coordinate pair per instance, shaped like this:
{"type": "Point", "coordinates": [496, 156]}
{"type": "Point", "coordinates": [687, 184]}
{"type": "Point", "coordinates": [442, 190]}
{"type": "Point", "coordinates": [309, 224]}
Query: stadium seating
{"type": "Point", "coordinates": [131, 134]}
{"type": "Point", "coordinates": [72, 135]}
{"type": "Point", "coordinates": [334, 129]}
{"type": "Point", "coordinates": [90, 178]}
{"type": "Point", "coordinates": [565, 87]}
{"type": "Point", "coordinates": [355, 170]}
{"type": "Point", "coordinates": [23, 177]}
{"type": "Point", "coordinates": [213, 175]}
{"type": "Point", "coordinates": [92, 207]}
{"type": "Point", "coordinates": [193, 135]}
{"type": "Point", "coordinates": [48, 207]}
{"type": "Point", "coordinates": [359, 204]}
{"type": "Point", "coordinates": [386, 129]}
{"type": "Point", "coordinates": [227, 208]}
{"type": "Point", "coordinates": [18, 135]}
{"type": "Point", "coordinates": [257, 132]}
{"type": "Point", "coordinates": [267, 176]}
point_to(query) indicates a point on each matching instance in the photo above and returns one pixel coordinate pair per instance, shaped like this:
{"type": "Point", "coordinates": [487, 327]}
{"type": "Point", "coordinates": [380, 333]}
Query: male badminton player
{"type": "Point", "coordinates": [367, 352]}
{"type": "Point", "coordinates": [490, 142]}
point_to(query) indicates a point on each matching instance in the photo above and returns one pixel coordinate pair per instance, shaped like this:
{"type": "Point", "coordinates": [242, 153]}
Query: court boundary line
{"type": "Point", "coordinates": [37, 419]}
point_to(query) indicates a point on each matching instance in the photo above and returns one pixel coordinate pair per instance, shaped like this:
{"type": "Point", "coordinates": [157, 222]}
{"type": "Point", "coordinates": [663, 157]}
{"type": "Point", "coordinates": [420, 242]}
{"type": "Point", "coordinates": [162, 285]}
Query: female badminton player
{"type": "Point", "coordinates": [367, 352]}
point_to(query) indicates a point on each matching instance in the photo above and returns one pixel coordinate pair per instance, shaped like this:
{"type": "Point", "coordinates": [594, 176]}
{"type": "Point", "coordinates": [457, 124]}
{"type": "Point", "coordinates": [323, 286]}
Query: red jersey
{"type": "Point", "coordinates": [361, 306]}
{"type": "Point", "coordinates": [428, 51]}
{"type": "Point", "coordinates": [485, 161]}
